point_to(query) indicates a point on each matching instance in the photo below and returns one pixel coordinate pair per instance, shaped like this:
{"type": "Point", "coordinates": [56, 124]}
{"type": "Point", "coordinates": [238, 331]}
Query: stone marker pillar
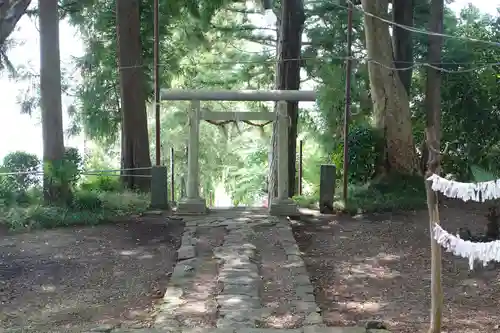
{"type": "Point", "coordinates": [283, 205]}
{"type": "Point", "coordinates": [159, 188]}
{"type": "Point", "coordinates": [193, 204]}
{"type": "Point", "coordinates": [327, 188]}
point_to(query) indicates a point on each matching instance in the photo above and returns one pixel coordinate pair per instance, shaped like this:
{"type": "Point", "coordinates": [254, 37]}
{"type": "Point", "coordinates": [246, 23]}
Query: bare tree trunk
{"type": "Point", "coordinates": [135, 148]}
{"type": "Point", "coordinates": [56, 190]}
{"type": "Point", "coordinates": [433, 138]}
{"type": "Point", "coordinates": [402, 13]}
{"type": "Point", "coordinates": [11, 12]}
{"type": "Point", "coordinates": [390, 100]}
{"type": "Point", "coordinates": [291, 24]}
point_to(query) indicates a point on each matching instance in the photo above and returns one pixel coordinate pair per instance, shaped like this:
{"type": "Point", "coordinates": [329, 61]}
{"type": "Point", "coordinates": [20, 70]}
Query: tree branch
{"type": "Point", "coordinates": [10, 13]}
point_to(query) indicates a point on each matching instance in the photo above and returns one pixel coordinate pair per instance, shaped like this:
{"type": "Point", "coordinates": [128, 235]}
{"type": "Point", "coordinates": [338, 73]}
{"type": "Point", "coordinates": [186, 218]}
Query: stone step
{"type": "Point", "coordinates": [311, 329]}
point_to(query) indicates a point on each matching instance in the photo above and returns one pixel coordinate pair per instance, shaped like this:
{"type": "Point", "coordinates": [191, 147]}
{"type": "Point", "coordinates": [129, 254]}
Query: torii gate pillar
{"type": "Point", "coordinates": [193, 203]}
{"type": "Point", "coordinates": [283, 205]}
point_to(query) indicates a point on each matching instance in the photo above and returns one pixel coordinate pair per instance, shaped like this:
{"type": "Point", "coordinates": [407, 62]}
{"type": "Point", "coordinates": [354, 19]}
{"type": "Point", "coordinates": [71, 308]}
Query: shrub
{"type": "Point", "coordinates": [26, 163]}
{"type": "Point", "coordinates": [8, 189]}
{"type": "Point", "coordinates": [86, 200]}
{"type": "Point", "coordinates": [364, 152]}
{"type": "Point", "coordinates": [394, 192]}
{"type": "Point", "coordinates": [103, 183]}
{"type": "Point", "coordinates": [73, 164]}
{"type": "Point", "coordinates": [87, 208]}
{"type": "Point", "coordinates": [306, 201]}
{"type": "Point", "coordinates": [65, 171]}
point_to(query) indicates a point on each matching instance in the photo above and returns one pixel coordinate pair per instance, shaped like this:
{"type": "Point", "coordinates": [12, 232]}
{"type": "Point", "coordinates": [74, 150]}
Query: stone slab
{"type": "Point", "coordinates": [140, 330]}
{"type": "Point", "coordinates": [186, 252]}
{"type": "Point", "coordinates": [269, 330]}
{"type": "Point", "coordinates": [206, 330]}
{"type": "Point", "coordinates": [320, 329]}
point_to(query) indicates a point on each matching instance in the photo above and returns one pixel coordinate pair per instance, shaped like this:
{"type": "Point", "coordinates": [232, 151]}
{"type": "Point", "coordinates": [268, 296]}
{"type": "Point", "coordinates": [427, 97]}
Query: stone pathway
{"type": "Point", "coordinates": [239, 271]}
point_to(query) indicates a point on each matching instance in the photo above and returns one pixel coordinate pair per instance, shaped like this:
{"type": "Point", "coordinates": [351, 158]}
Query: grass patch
{"type": "Point", "coordinates": [306, 201]}
{"type": "Point", "coordinates": [395, 192]}
{"type": "Point", "coordinates": [87, 208]}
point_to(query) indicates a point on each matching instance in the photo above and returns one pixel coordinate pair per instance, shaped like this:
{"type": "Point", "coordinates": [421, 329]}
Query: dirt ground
{"type": "Point", "coordinates": [381, 270]}
{"type": "Point", "coordinates": [69, 280]}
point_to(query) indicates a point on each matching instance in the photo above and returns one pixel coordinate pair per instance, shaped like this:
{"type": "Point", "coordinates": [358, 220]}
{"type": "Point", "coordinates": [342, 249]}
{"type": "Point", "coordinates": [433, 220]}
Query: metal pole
{"type": "Point", "coordinates": [347, 111]}
{"type": "Point", "coordinates": [301, 144]}
{"type": "Point", "coordinates": [172, 175]}
{"type": "Point", "coordinates": [156, 61]}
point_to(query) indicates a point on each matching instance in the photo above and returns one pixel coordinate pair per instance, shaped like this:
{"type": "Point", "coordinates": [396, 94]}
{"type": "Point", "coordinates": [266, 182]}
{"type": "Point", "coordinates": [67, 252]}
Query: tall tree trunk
{"type": "Point", "coordinates": [390, 100]}
{"type": "Point", "coordinates": [433, 140]}
{"type": "Point", "coordinates": [11, 12]}
{"type": "Point", "coordinates": [272, 185]}
{"type": "Point", "coordinates": [402, 13]}
{"type": "Point", "coordinates": [56, 190]}
{"type": "Point", "coordinates": [291, 24]}
{"type": "Point", "coordinates": [135, 146]}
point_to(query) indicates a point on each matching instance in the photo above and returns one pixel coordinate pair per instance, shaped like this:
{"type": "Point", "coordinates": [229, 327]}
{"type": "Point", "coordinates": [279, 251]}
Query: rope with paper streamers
{"type": "Point", "coordinates": [484, 252]}
{"type": "Point", "coordinates": [479, 192]}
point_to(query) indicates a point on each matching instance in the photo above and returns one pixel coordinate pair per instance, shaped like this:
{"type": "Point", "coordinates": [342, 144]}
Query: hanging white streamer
{"type": "Point", "coordinates": [479, 192]}
{"type": "Point", "coordinates": [482, 252]}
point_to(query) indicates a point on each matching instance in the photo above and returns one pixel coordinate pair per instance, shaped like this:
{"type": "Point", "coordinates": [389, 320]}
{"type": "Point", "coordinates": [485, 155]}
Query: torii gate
{"type": "Point", "coordinates": [193, 203]}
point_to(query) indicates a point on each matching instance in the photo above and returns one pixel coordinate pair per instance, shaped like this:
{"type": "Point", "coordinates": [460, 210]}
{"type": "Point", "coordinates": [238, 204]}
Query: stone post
{"type": "Point", "coordinates": [193, 204]}
{"type": "Point", "coordinates": [327, 188]}
{"type": "Point", "coordinates": [283, 205]}
{"type": "Point", "coordinates": [159, 188]}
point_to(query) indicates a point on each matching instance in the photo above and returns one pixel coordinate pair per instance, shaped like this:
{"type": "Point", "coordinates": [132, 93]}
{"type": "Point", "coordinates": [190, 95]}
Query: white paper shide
{"type": "Point", "coordinates": [479, 192]}
{"type": "Point", "coordinates": [482, 252]}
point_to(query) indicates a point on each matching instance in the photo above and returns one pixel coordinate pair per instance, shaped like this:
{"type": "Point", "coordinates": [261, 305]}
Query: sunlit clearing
{"type": "Point", "coordinates": [48, 288]}
{"type": "Point", "coordinates": [369, 267]}
{"type": "Point", "coordinates": [194, 307]}
{"type": "Point", "coordinates": [361, 306]}
{"type": "Point", "coordinates": [279, 321]}
{"type": "Point", "coordinates": [129, 252]}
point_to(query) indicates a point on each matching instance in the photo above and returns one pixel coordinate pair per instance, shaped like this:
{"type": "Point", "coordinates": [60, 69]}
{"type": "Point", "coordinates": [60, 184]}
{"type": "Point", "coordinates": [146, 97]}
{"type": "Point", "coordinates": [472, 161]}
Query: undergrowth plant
{"type": "Point", "coordinates": [94, 200]}
{"type": "Point", "coordinates": [392, 193]}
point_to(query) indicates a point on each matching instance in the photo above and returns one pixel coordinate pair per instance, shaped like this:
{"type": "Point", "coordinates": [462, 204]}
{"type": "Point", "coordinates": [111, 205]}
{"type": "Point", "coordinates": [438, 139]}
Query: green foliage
{"type": "Point", "coordinates": [481, 175]}
{"type": "Point", "coordinates": [393, 193]}
{"type": "Point", "coordinates": [364, 152]}
{"type": "Point", "coordinates": [73, 164]}
{"type": "Point", "coordinates": [306, 201]}
{"type": "Point", "coordinates": [249, 180]}
{"type": "Point", "coordinates": [16, 188]}
{"type": "Point", "coordinates": [86, 200]}
{"type": "Point", "coordinates": [26, 164]}
{"type": "Point", "coordinates": [102, 183]}
{"type": "Point", "coordinates": [476, 90]}
{"type": "Point", "coordinates": [65, 171]}
{"type": "Point", "coordinates": [8, 189]}
{"type": "Point", "coordinates": [88, 208]}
